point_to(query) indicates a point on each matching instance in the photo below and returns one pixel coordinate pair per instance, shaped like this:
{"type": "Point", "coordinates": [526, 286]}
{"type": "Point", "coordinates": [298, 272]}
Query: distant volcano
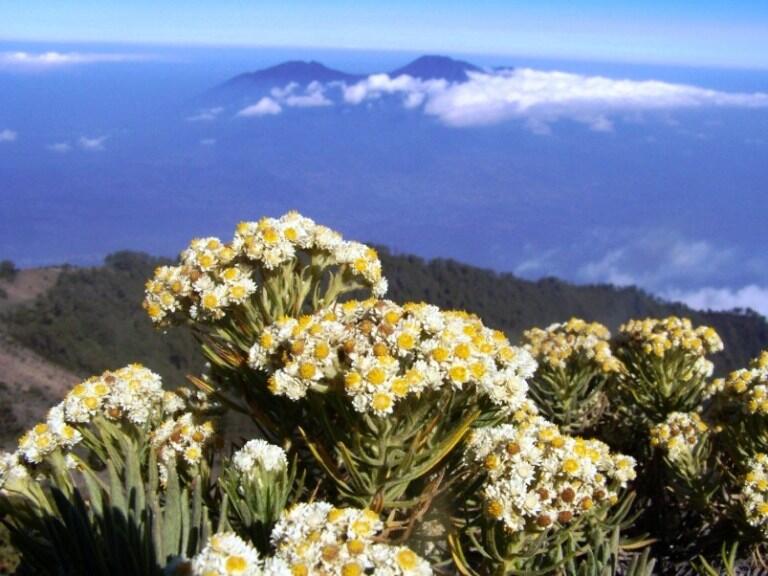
{"type": "Point", "coordinates": [437, 68]}
{"type": "Point", "coordinates": [297, 71]}
{"type": "Point", "coordinates": [303, 73]}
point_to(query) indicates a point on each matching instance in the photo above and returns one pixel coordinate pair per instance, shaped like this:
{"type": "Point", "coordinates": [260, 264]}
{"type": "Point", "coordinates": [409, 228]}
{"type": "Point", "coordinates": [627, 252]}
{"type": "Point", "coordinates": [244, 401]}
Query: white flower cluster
{"type": "Point", "coordinates": [226, 554]}
{"type": "Point", "coordinates": [214, 276]}
{"type": "Point", "coordinates": [381, 352]}
{"type": "Point", "coordinates": [755, 492]}
{"type": "Point", "coordinates": [259, 455]}
{"type": "Point", "coordinates": [12, 470]}
{"type": "Point", "coordinates": [132, 393]}
{"type": "Point", "coordinates": [317, 538]}
{"type": "Point", "coordinates": [537, 477]}
{"type": "Point", "coordinates": [182, 437]}
{"type": "Point", "coordinates": [749, 386]}
{"type": "Point", "coordinates": [678, 434]}
{"type": "Point", "coordinates": [575, 340]}
{"type": "Point", "coordinates": [674, 335]}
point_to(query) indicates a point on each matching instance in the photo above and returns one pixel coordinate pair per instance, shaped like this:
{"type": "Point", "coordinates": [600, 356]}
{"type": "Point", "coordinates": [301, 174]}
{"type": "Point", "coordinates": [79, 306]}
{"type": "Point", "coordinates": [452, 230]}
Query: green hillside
{"type": "Point", "coordinates": [91, 319]}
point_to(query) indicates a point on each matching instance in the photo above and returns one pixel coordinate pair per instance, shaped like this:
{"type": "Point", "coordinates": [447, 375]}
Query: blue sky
{"type": "Point", "coordinates": [698, 33]}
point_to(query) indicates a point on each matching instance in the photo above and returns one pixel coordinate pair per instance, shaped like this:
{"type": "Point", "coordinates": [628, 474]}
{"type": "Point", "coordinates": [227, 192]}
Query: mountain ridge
{"type": "Point", "coordinates": [435, 67]}
{"type": "Point", "coordinates": [303, 72]}
{"type": "Point", "coordinates": [299, 71]}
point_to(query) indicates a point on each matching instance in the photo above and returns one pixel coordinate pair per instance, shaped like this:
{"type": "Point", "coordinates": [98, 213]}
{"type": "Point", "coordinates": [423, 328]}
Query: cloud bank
{"type": "Point", "coordinates": [750, 296]}
{"type": "Point", "coordinates": [526, 93]}
{"type": "Point", "coordinates": [663, 262]}
{"type": "Point", "coordinates": [264, 107]}
{"type": "Point", "coordinates": [7, 135]}
{"type": "Point", "coordinates": [537, 97]}
{"type": "Point", "coordinates": [313, 96]}
{"type": "Point", "coordinates": [57, 59]}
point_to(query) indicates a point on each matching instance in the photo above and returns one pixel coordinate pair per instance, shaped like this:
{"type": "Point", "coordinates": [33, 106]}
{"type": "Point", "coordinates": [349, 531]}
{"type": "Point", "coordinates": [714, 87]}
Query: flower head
{"type": "Point", "coordinates": [318, 538]}
{"type": "Point", "coordinates": [537, 477]}
{"type": "Point", "coordinates": [380, 353]}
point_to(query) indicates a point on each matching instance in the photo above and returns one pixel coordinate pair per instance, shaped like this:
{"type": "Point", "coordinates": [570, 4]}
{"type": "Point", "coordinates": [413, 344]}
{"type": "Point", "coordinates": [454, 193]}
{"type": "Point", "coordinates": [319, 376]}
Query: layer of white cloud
{"type": "Point", "coordinates": [490, 98]}
{"type": "Point", "coordinates": [7, 135]}
{"type": "Point", "coordinates": [313, 96]}
{"type": "Point", "coordinates": [751, 296]}
{"type": "Point", "coordinates": [206, 114]}
{"type": "Point", "coordinates": [537, 97]}
{"type": "Point", "coordinates": [658, 259]}
{"type": "Point", "coordinates": [414, 90]}
{"type": "Point", "coordinates": [60, 147]}
{"type": "Point", "coordinates": [55, 59]}
{"type": "Point", "coordinates": [92, 144]}
{"type": "Point", "coordinates": [264, 107]}
{"type": "Point", "coordinates": [542, 97]}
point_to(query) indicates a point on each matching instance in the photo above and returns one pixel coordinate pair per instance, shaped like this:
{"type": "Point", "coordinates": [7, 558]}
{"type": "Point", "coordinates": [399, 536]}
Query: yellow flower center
{"type": "Point", "coordinates": [307, 370]}
{"type": "Point", "coordinates": [407, 559]}
{"type": "Point", "coordinates": [210, 301]}
{"type": "Point", "coordinates": [352, 380]}
{"type": "Point", "coordinates": [406, 341]}
{"type": "Point", "coordinates": [270, 235]}
{"type": "Point", "coordinates": [458, 374]}
{"type": "Point", "coordinates": [236, 565]}
{"type": "Point", "coordinates": [570, 465]}
{"type": "Point", "coordinates": [351, 569]}
{"type": "Point", "coordinates": [355, 546]}
{"type": "Point", "coordinates": [462, 351]}
{"type": "Point", "coordinates": [495, 509]}
{"type": "Point", "coordinates": [381, 402]}
{"type": "Point", "coordinates": [237, 292]}
{"type": "Point", "coordinates": [376, 376]}
{"type": "Point", "coordinates": [322, 350]}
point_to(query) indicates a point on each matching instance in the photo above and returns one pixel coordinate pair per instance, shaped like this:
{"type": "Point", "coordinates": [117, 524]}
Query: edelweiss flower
{"type": "Point", "coordinates": [213, 276]}
{"type": "Point", "coordinates": [259, 454]}
{"type": "Point", "coordinates": [381, 352]}
{"type": "Point", "coordinates": [537, 477]}
{"type": "Point", "coordinates": [755, 492]}
{"type": "Point", "coordinates": [678, 434]}
{"type": "Point", "coordinates": [575, 340]}
{"type": "Point", "coordinates": [227, 554]}
{"type": "Point", "coordinates": [318, 538]}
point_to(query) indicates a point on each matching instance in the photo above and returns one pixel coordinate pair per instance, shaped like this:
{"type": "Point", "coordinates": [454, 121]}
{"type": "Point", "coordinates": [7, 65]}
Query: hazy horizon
{"type": "Point", "coordinates": [589, 171]}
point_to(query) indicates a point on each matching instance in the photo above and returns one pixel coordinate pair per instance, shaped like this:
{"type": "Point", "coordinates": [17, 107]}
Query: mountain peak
{"type": "Point", "coordinates": [433, 67]}
{"type": "Point", "coordinates": [299, 71]}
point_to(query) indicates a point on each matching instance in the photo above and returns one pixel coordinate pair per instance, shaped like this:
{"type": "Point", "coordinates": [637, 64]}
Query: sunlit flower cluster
{"type": "Point", "coordinates": [213, 276]}
{"type": "Point", "coordinates": [537, 477]}
{"type": "Point", "coordinates": [182, 438]}
{"type": "Point", "coordinates": [678, 434]}
{"type": "Point", "coordinates": [132, 393]}
{"type": "Point", "coordinates": [573, 341]}
{"type": "Point", "coordinates": [663, 337]}
{"type": "Point", "coordinates": [226, 554]}
{"type": "Point", "coordinates": [12, 470]}
{"type": "Point", "coordinates": [755, 492]}
{"type": "Point", "coordinates": [658, 336]}
{"type": "Point", "coordinates": [259, 455]}
{"type": "Point", "coordinates": [749, 386]}
{"type": "Point", "coordinates": [380, 352]}
{"type": "Point", "coordinates": [318, 538]}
